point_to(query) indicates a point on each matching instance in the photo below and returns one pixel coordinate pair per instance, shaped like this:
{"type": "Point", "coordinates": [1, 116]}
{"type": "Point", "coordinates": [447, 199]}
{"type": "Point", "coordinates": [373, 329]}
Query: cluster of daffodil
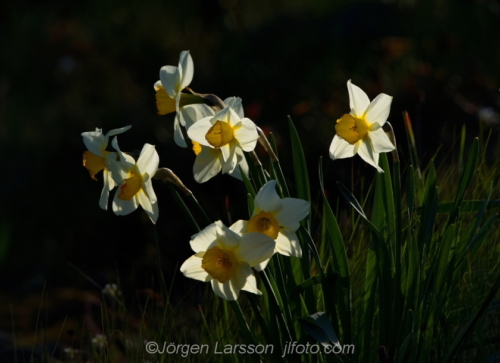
{"type": "Point", "coordinates": [120, 169]}
{"type": "Point", "coordinates": [220, 134]}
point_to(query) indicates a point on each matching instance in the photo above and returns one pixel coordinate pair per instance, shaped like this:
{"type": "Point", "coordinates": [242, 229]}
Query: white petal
{"type": "Point", "coordinates": [242, 162]}
{"type": "Point", "coordinates": [261, 266]}
{"type": "Point", "coordinates": [251, 285]}
{"type": "Point", "coordinates": [235, 104]}
{"type": "Point", "coordinates": [192, 113]}
{"type": "Point", "coordinates": [293, 211]}
{"type": "Point", "coordinates": [267, 199]}
{"type": "Point", "coordinates": [358, 100]}
{"type": "Point", "coordinates": [147, 185]}
{"type": "Point", "coordinates": [117, 131]}
{"type": "Point", "coordinates": [124, 207]}
{"type": "Point", "coordinates": [226, 290]}
{"type": "Point", "coordinates": [95, 142]}
{"type": "Point", "coordinates": [226, 237]}
{"type": "Point", "coordinates": [288, 244]}
{"type": "Point", "coordinates": [157, 85]}
{"type": "Point", "coordinates": [247, 135]}
{"type": "Point", "coordinates": [127, 161]}
{"type": "Point", "coordinates": [226, 115]}
{"type": "Point", "coordinates": [192, 268]}
{"type": "Point", "coordinates": [340, 149]}
{"type": "Point", "coordinates": [255, 247]}
{"type": "Point", "coordinates": [379, 109]}
{"type": "Point", "coordinates": [207, 164]}
{"type": "Point", "coordinates": [148, 160]}
{"type": "Point", "coordinates": [186, 68]}
{"type": "Point", "coordinates": [150, 208]}
{"type": "Point", "coordinates": [103, 201]}
{"type": "Point", "coordinates": [367, 154]}
{"type": "Point", "coordinates": [239, 227]}
{"type": "Point", "coordinates": [229, 157]}
{"type": "Point", "coordinates": [113, 170]}
{"type": "Point", "coordinates": [198, 131]}
{"type": "Point", "coordinates": [178, 135]}
{"type": "Point", "coordinates": [205, 239]}
{"type": "Point", "coordinates": [170, 80]}
{"type": "Point", "coordinates": [380, 141]}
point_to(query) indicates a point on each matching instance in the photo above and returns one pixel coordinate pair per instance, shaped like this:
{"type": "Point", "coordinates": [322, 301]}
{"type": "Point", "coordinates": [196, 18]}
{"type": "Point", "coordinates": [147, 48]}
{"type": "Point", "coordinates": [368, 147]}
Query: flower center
{"type": "Point", "coordinates": [131, 187]}
{"type": "Point", "coordinates": [352, 129]}
{"type": "Point", "coordinates": [196, 147]}
{"type": "Point", "coordinates": [220, 134]}
{"type": "Point", "coordinates": [164, 103]}
{"type": "Point", "coordinates": [94, 163]}
{"type": "Point", "coordinates": [264, 222]}
{"type": "Point", "coordinates": [219, 263]}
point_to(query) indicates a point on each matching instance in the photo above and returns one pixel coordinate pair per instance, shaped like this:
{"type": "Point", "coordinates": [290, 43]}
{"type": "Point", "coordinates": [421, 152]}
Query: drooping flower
{"type": "Point", "coordinates": [209, 160]}
{"type": "Point", "coordinates": [228, 132]}
{"type": "Point", "coordinates": [168, 91]}
{"type": "Point", "coordinates": [96, 158]}
{"type": "Point", "coordinates": [137, 188]}
{"type": "Point", "coordinates": [226, 259]}
{"type": "Point", "coordinates": [360, 131]}
{"type": "Point", "coordinates": [277, 218]}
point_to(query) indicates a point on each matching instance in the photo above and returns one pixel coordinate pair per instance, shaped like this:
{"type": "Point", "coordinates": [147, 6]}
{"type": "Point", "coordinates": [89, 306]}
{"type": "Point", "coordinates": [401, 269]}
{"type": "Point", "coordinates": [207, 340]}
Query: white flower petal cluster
{"type": "Point", "coordinates": [168, 91]}
{"type": "Point", "coordinates": [222, 137]}
{"type": "Point", "coordinates": [136, 188]}
{"type": "Point", "coordinates": [96, 158]}
{"type": "Point", "coordinates": [360, 131]}
{"type": "Point", "coordinates": [209, 160]}
{"type": "Point", "coordinates": [119, 169]}
{"type": "Point", "coordinates": [277, 218]}
{"type": "Point", "coordinates": [226, 258]}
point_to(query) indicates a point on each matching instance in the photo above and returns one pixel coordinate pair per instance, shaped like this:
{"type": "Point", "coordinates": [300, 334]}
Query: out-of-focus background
{"type": "Point", "coordinates": [69, 67]}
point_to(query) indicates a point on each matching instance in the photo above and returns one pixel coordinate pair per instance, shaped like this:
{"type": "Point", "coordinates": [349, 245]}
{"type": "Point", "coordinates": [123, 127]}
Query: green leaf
{"type": "Point", "coordinates": [470, 325]}
{"type": "Point", "coordinates": [465, 179]}
{"type": "Point", "coordinates": [300, 167]}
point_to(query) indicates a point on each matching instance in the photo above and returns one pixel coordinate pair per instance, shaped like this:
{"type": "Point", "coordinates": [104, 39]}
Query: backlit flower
{"type": "Point", "coordinates": [209, 160]}
{"type": "Point", "coordinates": [228, 132]}
{"type": "Point", "coordinates": [168, 91]}
{"type": "Point", "coordinates": [277, 218]}
{"type": "Point", "coordinates": [226, 259]}
{"type": "Point", "coordinates": [96, 158]}
{"type": "Point", "coordinates": [136, 188]}
{"type": "Point", "coordinates": [360, 131]}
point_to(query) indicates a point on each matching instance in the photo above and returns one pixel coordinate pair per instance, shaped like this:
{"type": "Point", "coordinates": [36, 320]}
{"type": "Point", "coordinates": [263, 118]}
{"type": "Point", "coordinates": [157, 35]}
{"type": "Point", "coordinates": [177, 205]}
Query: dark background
{"type": "Point", "coordinates": [69, 67]}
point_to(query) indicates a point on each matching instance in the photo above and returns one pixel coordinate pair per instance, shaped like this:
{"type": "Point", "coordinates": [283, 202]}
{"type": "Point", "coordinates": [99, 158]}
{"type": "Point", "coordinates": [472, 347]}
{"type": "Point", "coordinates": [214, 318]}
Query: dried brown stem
{"type": "Point", "coordinates": [167, 175]}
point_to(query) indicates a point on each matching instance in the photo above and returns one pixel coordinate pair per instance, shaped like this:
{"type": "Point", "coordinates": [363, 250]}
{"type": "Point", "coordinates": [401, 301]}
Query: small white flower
{"type": "Point", "coordinates": [96, 158]}
{"type": "Point", "coordinates": [277, 218]}
{"type": "Point", "coordinates": [137, 188]}
{"type": "Point", "coordinates": [228, 132]}
{"type": "Point", "coordinates": [209, 160]}
{"type": "Point", "coordinates": [360, 131]}
{"type": "Point", "coordinates": [226, 259]}
{"type": "Point", "coordinates": [172, 81]}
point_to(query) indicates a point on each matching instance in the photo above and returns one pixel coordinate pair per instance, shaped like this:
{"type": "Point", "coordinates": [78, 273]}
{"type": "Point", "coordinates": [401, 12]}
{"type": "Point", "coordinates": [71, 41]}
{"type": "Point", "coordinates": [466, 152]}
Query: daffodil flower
{"type": "Point", "coordinates": [360, 131]}
{"type": "Point", "coordinates": [226, 259]}
{"type": "Point", "coordinates": [168, 91]}
{"type": "Point", "coordinates": [209, 161]}
{"type": "Point", "coordinates": [277, 218]}
{"type": "Point", "coordinates": [96, 158]}
{"type": "Point", "coordinates": [228, 132]}
{"type": "Point", "coordinates": [136, 188]}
